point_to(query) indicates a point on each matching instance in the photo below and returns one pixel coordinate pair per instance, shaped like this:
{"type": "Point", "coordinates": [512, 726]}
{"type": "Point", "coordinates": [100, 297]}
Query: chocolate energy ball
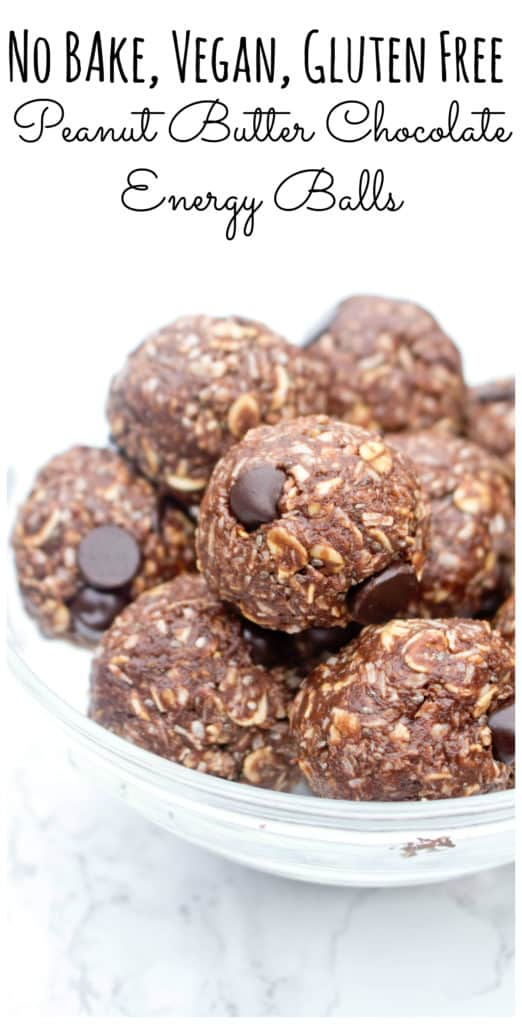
{"type": "Point", "coordinates": [194, 388]}
{"type": "Point", "coordinates": [392, 366]}
{"type": "Point", "coordinates": [89, 538]}
{"type": "Point", "coordinates": [408, 711]}
{"type": "Point", "coordinates": [504, 620]}
{"type": "Point", "coordinates": [470, 552]}
{"type": "Point", "coordinates": [313, 523]}
{"type": "Point", "coordinates": [490, 419]}
{"type": "Point", "coordinates": [175, 676]}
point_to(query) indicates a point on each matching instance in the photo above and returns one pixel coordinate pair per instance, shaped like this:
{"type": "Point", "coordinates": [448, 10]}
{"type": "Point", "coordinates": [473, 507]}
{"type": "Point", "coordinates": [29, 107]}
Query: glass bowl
{"type": "Point", "coordinates": [296, 835]}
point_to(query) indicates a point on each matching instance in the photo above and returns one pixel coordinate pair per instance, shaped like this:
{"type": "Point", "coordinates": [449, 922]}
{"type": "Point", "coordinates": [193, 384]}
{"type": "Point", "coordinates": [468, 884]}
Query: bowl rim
{"type": "Point", "coordinates": [242, 798]}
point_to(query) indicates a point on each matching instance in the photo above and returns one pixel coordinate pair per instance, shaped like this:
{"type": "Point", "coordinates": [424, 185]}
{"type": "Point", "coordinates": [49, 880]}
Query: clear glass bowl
{"type": "Point", "coordinates": [295, 835]}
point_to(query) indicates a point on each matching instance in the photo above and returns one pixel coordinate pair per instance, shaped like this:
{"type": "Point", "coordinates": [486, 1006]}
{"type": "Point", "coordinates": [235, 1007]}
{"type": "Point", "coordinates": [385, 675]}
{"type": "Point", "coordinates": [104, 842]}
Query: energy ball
{"type": "Point", "coordinates": [314, 523]}
{"type": "Point", "coordinates": [490, 419]}
{"type": "Point", "coordinates": [408, 711]}
{"type": "Point", "coordinates": [175, 676]}
{"type": "Point", "coordinates": [193, 389]}
{"type": "Point", "coordinates": [470, 552]}
{"type": "Point", "coordinates": [392, 366]}
{"type": "Point", "coordinates": [89, 538]}
{"type": "Point", "coordinates": [504, 620]}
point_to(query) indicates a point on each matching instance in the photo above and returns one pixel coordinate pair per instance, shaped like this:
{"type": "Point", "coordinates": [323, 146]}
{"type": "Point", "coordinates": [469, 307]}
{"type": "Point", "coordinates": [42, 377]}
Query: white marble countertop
{"type": "Point", "coordinates": [117, 918]}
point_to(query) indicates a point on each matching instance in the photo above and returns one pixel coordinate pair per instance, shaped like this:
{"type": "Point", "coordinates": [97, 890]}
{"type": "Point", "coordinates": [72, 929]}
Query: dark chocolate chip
{"type": "Point", "coordinates": [502, 725]}
{"type": "Point", "coordinates": [314, 642]}
{"type": "Point", "coordinates": [380, 597]}
{"type": "Point", "coordinates": [108, 557]}
{"type": "Point", "coordinates": [489, 604]}
{"type": "Point", "coordinates": [254, 496]}
{"type": "Point", "coordinates": [495, 391]}
{"type": "Point", "coordinates": [94, 610]}
{"type": "Point", "coordinates": [271, 648]}
{"type": "Point", "coordinates": [267, 647]}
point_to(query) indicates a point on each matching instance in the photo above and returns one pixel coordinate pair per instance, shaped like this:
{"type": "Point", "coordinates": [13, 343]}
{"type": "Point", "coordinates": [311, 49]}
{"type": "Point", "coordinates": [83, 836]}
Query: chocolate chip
{"type": "Point", "coordinates": [314, 642]}
{"type": "Point", "coordinates": [489, 604]}
{"type": "Point", "coordinates": [108, 557]}
{"type": "Point", "coordinates": [380, 597]}
{"type": "Point", "coordinates": [267, 647]}
{"type": "Point", "coordinates": [94, 610]}
{"type": "Point", "coordinates": [254, 496]}
{"type": "Point", "coordinates": [271, 648]}
{"type": "Point", "coordinates": [502, 725]}
{"type": "Point", "coordinates": [495, 391]}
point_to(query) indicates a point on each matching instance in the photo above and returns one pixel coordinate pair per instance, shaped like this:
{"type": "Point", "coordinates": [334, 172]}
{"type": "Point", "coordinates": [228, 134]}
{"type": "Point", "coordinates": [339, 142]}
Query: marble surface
{"type": "Point", "coordinates": [120, 919]}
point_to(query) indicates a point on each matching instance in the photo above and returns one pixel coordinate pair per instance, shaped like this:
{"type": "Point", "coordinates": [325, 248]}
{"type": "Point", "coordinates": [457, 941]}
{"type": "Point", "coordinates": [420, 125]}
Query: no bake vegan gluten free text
{"type": "Point", "coordinates": [321, 61]}
{"type": "Point", "coordinates": [293, 561]}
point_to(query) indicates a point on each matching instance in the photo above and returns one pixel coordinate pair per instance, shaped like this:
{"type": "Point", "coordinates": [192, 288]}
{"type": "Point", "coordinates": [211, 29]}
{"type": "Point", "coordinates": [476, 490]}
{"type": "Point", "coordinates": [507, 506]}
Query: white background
{"type": "Point", "coordinates": [86, 280]}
